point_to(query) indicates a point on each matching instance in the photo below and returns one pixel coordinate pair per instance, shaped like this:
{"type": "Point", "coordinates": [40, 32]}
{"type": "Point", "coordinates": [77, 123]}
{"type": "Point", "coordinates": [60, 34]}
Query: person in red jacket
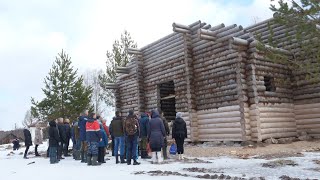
{"type": "Point", "coordinates": [93, 136]}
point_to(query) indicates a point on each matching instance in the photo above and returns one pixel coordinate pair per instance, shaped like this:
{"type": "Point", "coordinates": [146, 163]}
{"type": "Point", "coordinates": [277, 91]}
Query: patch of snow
{"type": "Point", "coordinates": [15, 167]}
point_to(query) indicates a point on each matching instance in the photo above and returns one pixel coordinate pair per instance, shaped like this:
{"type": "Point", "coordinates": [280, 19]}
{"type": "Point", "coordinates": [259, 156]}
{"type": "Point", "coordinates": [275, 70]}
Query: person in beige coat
{"type": "Point", "coordinates": [38, 138]}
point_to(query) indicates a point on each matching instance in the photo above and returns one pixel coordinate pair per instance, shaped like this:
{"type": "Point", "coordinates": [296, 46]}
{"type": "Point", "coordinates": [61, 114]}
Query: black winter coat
{"type": "Point", "coordinates": [27, 137]}
{"type": "Point", "coordinates": [68, 131]}
{"type": "Point", "coordinates": [54, 137]}
{"type": "Point", "coordinates": [62, 132]}
{"type": "Point", "coordinates": [179, 128]}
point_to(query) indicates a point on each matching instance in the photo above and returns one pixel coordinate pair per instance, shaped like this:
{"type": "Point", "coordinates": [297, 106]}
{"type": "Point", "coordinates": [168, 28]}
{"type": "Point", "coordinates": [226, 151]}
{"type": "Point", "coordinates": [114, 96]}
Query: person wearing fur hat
{"type": "Point", "coordinates": [179, 133]}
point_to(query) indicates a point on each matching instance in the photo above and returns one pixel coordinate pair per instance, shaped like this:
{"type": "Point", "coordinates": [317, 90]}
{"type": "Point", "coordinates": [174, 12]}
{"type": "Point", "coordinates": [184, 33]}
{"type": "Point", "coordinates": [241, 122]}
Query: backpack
{"type": "Point", "coordinates": [131, 125]}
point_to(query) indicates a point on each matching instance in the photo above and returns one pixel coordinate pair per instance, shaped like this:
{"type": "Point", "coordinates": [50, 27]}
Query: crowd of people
{"type": "Point", "coordinates": [131, 136]}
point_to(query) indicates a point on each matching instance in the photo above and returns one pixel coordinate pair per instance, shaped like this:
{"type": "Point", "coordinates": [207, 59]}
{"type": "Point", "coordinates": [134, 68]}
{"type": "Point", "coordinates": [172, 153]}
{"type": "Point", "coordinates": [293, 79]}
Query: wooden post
{"type": "Point", "coordinates": [189, 77]}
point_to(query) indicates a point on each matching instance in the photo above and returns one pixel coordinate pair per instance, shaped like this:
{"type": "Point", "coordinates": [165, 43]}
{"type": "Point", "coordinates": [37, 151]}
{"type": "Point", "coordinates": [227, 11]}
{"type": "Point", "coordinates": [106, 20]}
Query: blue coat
{"type": "Point", "coordinates": [104, 142]}
{"type": "Point", "coordinates": [144, 122]}
{"type": "Point", "coordinates": [156, 131]}
{"type": "Point", "coordinates": [82, 127]}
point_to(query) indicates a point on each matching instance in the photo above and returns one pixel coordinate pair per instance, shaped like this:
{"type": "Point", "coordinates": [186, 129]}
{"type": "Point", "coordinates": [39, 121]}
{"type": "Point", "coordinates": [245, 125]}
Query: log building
{"type": "Point", "coordinates": [226, 88]}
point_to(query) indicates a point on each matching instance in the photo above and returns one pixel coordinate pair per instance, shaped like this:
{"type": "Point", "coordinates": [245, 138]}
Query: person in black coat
{"type": "Point", "coordinates": [63, 137]}
{"type": "Point", "coordinates": [27, 141]}
{"type": "Point", "coordinates": [68, 137]}
{"type": "Point", "coordinates": [179, 133]}
{"type": "Point", "coordinates": [16, 144]}
{"type": "Point", "coordinates": [54, 139]}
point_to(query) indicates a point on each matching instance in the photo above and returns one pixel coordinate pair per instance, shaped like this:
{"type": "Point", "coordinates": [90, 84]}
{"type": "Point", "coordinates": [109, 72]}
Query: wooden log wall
{"type": "Point", "coordinates": [308, 118]}
{"type": "Point", "coordinates": [127, 93]}
{"type": "Point", "coordinates": [219, 75]}
{"type": "Point", "coordinates": [305, 94]}
{"type": "Point", "coordinates": [220, 124]}
{"type": "Point", "coordinates": [270, 91]}
{"type": "Point", "coordinates": [224, 86]}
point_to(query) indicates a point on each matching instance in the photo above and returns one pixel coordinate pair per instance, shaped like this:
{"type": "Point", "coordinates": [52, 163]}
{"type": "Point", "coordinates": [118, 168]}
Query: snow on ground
{"type": "Point", "coordinates": [15, 167]}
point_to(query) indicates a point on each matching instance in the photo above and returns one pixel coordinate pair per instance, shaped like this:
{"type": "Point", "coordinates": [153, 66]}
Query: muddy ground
{"type": "Point", "coordinates": [264, 151]}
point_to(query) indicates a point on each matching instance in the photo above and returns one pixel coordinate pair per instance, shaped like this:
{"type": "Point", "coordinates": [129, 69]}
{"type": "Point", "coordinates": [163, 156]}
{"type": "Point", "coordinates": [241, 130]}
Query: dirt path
{"type": "Point", "coordinates": [268, 151]}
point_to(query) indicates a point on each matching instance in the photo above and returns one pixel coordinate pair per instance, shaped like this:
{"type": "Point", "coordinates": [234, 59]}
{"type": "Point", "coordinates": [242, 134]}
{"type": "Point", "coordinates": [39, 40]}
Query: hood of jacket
{"type": "Point", "coordinates": [179, 120]}
{"type": "Point", "coordinates": [52, 123]}
{"type": "Point", "coordinates": [155, 113]}
{"type": "Point", "coordinates": [91, 120]}
{"type": "Point", "coordinates": [143, 115]}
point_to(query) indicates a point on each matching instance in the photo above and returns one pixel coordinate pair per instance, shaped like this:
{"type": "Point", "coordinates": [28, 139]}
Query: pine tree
{"type": "Point", "coordinates": [117, 57]}
{"type": "Point", "coordinates": [304, 18]}
{"type": "Point", "coordinates": [65, 94]}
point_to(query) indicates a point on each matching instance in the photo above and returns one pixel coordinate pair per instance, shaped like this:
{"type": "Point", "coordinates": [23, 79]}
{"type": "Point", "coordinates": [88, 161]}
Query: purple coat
{"type": "Point", "coordinates": [156, 131]}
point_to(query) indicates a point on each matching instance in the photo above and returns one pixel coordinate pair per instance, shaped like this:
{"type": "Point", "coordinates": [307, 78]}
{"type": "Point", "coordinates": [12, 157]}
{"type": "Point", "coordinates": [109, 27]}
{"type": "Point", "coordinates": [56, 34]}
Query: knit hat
{"type": "Point", "coordinates": [178, 115]}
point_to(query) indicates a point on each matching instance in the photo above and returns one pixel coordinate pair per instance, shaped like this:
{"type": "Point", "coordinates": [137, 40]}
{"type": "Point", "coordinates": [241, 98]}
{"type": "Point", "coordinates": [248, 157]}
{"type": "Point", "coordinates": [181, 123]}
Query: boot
{"type": "Point", "coordinates": [129, 161]}
{"type": "Point", "coordinates": [25, 156]}
{"type": "Point", "coordinates": [154, 157]}
{"type": "Point", "coordinates": [84, 156]}
{"type": "Point", "coordinates": [122, 159]}
{"type": "Point", "coordinates": [165, 154]}
{"type": "Point", "coordinates": [117, 159]}
{"type": "Point", "coordinates": [182, 157]}
{"type": "Point", "coordinates": [144, 155]}
{"type": "Point", "coordinates": [135, 162]}
{"type": "Point", "coordinates": [95, 161]}
{"type": "Point", "coordinates": [89, 160]}
{"type": "Point", "coordinates": [179, 156]}
{"type": "Point", "coordinates": [159, 156]}
{"type": "Point", "coordinates": [77, 155]}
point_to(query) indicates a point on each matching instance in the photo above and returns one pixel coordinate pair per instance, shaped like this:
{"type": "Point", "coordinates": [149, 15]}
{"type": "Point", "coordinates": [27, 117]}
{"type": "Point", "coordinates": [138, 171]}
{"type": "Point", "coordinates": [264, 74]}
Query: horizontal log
{"type": "Point", "coordinates": [278, 135]}
{"type": "Point", "coordinates": [220, 131]}
{"type": "Point", "coordinates": [307, 116]}
{"type": "Point", "coordinates": [202, 121]}
{"type": "Point", "coordinates": [308, 121]}
{"type": "Point", "coordinates": [276, 119]}
{"type": "Point", "coordinates": [220, 125]}
{"type": "Point", "coordinates": [278, 130]}
{"type": "Point", "coordinates": [239, 41]}
{"type": "Point", "coordinates": [219, 26]}
{"type": "Point", "coordinates": [276, 114]}
{"type": "Point", "coordinates": [306, 106]}
{"type": "Point", "coordinates": [275, 109]}
{"type": "Point", "coordinates": [180, 30]}
{"type": "Point", "coordinates": [219, 115]}
{"type": "Point", "coordinates": [176, 25]}
{"type": "Point", "coordinates": [278, 125]}
{"type": "Point", "coordinates": [206, 37]}
{"type": "Point", "coordinates": [307, 111]}
{"type": "Point", "coordinates": [306, 96]}
{"type": "Point", "coordinates": [212, 137]}
{"type": "Point", "coordinates": [221, 109]}
{"type": "Point", "coordinates": [195, 24]}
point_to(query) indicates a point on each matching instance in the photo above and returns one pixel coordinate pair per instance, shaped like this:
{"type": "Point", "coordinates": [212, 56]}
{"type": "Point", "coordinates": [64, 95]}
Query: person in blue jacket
{"type": "Point", "coordinates": [82, 131]}
{"type": "Point", "coordinates": [102, 145]}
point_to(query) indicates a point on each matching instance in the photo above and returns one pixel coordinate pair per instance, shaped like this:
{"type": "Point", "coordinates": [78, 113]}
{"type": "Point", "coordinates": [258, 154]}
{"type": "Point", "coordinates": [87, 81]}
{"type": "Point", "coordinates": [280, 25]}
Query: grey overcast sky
{"type": "Point", "coordinates": [33, 32]}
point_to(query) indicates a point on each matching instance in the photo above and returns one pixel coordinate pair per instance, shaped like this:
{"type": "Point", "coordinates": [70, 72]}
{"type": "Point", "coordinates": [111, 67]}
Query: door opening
{"type": "Point", "coordinates": [168, 100]}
